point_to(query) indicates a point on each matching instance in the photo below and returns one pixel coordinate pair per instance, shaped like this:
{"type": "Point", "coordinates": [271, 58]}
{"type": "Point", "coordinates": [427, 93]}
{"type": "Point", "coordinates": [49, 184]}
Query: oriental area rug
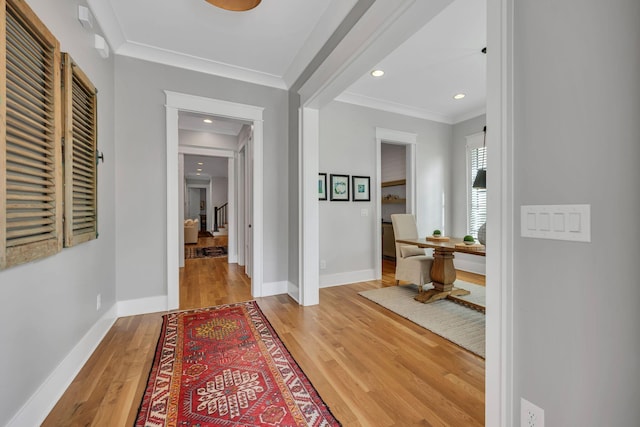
{"type": "Point", "coordinates": [460, 325]}
{"type": "Point", "coordinates": [205, 252]}
{"type": "Point", "coordinates": [226, 366]}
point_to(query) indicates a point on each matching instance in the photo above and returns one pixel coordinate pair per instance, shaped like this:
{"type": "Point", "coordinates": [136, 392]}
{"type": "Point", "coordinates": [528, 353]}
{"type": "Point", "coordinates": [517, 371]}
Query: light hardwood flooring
{"type": "Point", "coordinates": [371, 366]}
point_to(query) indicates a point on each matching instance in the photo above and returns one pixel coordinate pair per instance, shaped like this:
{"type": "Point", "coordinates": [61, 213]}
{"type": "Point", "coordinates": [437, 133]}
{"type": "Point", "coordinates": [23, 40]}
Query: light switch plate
{"type": "Point", "coordinates": [558, 222]}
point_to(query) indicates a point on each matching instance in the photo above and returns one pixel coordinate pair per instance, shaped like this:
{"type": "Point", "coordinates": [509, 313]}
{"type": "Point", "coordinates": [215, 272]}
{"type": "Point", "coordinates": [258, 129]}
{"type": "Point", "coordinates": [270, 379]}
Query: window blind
{"type": "Point", "coordinates": [478, 197]}
{"type": "Point", "coordinates": [30, 150]}
{"type": "Point", "coordinates": [79, 147]}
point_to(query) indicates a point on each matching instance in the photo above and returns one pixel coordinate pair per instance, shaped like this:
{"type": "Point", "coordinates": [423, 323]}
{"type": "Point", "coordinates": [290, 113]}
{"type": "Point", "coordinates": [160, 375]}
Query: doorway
{"type": "Point", "coordinates": [176, 102]}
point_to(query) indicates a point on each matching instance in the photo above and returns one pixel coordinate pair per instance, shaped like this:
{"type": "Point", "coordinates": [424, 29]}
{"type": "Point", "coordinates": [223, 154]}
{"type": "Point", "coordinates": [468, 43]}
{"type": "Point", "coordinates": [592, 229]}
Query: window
{"type": "Point", "coordinates": [30, 143]}
{"type": "Point", "coordinates": [79, 148]}
{"type": "Point", "coordinates": [477, 198]}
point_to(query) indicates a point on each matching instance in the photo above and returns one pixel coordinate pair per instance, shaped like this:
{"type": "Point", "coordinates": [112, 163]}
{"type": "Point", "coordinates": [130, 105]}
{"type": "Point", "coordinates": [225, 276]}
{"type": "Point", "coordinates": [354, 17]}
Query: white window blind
{"type": "Point", "coordinates": [476, 198]}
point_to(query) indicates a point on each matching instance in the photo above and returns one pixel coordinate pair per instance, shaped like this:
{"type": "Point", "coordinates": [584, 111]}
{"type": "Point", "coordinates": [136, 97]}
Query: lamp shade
{"type": "Point", "coordinates": [481, 179]}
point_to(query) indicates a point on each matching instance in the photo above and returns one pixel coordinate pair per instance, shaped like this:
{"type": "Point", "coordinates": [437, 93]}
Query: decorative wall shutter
{"type": "Point", "coordinates": [79, 147]}
{"type": "Point", "coordinates": [30, 135]}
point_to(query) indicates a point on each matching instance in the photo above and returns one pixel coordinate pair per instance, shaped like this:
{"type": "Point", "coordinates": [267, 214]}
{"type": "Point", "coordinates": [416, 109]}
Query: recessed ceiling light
{"type": "Point", "coordinates": [377, 73]}
{"type": "Point", "coordinates": [459, 96]}
{"type": "Point", "coordinates": [199, 170]}
{"type": "Point", "coordinates": [208, 121]}
{"type": "Point", "coordinates": [198, 173]}
{"type": "Point", "coordinates": [200, 163]}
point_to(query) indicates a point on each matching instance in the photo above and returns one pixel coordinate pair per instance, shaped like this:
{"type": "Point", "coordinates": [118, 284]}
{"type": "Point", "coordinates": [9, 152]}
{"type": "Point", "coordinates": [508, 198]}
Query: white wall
{"type": "Point", "coordinates": [577, 140]}
{"type": "Point", "coordinates": [47, 306]}
{"type": "Point", "coordinates": [348, 146]}
{"type": "Point", "coordinates": [458, 172]}
{"type": "Point", "coordinates": [141, 181]}
{"type": "Point", "coordinates": [219, 190]}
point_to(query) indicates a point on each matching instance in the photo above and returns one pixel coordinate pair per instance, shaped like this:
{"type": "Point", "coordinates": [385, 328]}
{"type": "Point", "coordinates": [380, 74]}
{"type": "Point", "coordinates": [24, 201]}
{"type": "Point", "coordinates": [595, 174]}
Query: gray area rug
{"type": "Point", "coordinates": [452, 321]}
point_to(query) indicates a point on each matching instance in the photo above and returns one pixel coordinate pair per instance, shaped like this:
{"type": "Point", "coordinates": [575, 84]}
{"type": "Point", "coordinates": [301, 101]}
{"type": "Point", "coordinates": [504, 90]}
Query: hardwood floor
{"type": "Point", "coordinates": [371, 366]}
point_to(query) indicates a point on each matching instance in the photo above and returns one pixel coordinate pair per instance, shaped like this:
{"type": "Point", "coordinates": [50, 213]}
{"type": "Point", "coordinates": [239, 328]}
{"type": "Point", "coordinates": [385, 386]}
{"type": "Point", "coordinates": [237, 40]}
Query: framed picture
{"type": "Point", "coordinates": [322, 186]}
{"type": "Point", "coordinates": [360, 188]}
{"type": "Point", "coordinates": [339, 187]}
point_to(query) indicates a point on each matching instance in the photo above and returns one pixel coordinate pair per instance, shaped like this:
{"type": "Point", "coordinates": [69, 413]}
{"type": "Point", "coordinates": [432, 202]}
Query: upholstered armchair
{"type": "Point", "coordinates": [412, 264]}
{"type": "Point", "coordinates": [191, 231]}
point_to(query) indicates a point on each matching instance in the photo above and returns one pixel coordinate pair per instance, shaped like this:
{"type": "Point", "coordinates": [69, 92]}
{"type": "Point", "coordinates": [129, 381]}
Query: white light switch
{"type": "Point", "coordinates": [560, 222]}
{"type": "Point", "coordinates": [531, 221]}
{"type": "Point", "coordinates": [574, 222]}
{"type": "Point", "coordinates": [543, 218]}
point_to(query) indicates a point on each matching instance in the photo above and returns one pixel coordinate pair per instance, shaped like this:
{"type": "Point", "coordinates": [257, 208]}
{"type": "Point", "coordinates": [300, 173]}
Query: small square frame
{"type": "Point", "coordinates": [361, 189]}
{"type": "Point", "coordinates": [322, 186]}
{"type": "Point", "coordinates": [339, 187]}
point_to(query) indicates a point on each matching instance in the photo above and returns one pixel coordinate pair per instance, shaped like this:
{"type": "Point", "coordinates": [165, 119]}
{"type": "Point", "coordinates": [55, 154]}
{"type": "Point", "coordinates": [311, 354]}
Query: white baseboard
{"type": "Point", "coordinates": [293, 291]}
{"type": "Point", "coordinates": [328, 280]}
{"type": "Point", "coordinates": [36, 409]}
{"type": "Point", "coordinates": [133, 307]}
{"type": "Point", "coordinates": [472, 263]}
{"type": "Point", "coordinates": [274, 288]}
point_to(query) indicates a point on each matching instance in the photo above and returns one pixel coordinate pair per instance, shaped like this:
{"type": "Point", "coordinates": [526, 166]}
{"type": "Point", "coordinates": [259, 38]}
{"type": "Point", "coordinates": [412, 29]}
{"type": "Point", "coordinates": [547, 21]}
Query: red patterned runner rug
{"type": "Point", "coordinates": [226, 366]}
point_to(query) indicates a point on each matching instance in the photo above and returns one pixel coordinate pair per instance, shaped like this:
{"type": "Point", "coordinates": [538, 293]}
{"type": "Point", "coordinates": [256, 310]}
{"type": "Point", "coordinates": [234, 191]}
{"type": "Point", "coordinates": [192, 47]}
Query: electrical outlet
{"type": "Point", "coordinates": [98, 302]}
{"type": "Point", "coordinates": [530, 414]}
{"type": "Point", "coordinates": [323, 264]}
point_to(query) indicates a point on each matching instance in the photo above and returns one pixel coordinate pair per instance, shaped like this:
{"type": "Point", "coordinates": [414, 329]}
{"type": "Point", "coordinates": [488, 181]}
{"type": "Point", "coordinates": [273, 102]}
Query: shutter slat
{"type": "Point", "coordinates": [30, 232]}
{"type": "Point", "coordinates": [34, 168]}
{"type": "Point", "coordinates": [28, 154]}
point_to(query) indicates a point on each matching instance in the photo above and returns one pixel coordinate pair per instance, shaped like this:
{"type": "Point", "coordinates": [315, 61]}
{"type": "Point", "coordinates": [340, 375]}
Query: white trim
{"type": "Point", "coordinates": [106, 17]}
{"type": "Point", "coordinates": [195, 63]}
{"type": "Point", "coordinates": [185, 102]}
{"type": "Point", "coordinates": [275, 288]}
{"type": "Point", "coordinates": [409, 140]}
{"type": "Point", "coordinates": [293, 291]}
{"type": "Point", "coordinates": [382, 28]}
{"type": "Point", "coordinates": [499, 399]}
{"type": "Point", "coordinates": [133, 307]}
{"type": "Point", "coordinates": [338, 279]}
{"type": "Point", "coordinates": [309, 216]}
{"type": "Point", "coordinates": [38, 406]}
{"type": "Point", "coordinates": [393, 107]}
{"type": "Point", "coordinates": [203, 151]}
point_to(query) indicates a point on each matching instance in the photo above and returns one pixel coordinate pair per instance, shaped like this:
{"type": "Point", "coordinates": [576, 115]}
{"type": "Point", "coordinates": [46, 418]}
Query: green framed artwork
{"type": "Point", "coordinates": [360, 188]}
{"type": "Point", "coordinates": [339, 187]}
{"type": "Point", "coordinates": [322, 186]}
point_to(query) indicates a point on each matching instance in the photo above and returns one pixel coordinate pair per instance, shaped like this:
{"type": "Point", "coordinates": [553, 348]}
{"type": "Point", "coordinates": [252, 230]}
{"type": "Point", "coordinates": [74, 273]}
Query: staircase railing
{"type": "Point", "coordinates": [219, 216]}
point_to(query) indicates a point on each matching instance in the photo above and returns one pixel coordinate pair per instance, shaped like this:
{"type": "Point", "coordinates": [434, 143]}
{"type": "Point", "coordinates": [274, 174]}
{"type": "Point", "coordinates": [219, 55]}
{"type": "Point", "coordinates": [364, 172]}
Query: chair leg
{"type": "Point", "coordinates": [397, 282]}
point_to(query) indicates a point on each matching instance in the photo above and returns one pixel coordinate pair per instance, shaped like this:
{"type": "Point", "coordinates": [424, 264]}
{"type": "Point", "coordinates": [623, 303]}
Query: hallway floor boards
{"type": "Point", "coordinates": [371, 366]}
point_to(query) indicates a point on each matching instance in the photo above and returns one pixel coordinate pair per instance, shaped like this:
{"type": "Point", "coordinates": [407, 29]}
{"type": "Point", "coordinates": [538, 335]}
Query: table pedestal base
{"type": "Point", "coordinates": [431, 295]}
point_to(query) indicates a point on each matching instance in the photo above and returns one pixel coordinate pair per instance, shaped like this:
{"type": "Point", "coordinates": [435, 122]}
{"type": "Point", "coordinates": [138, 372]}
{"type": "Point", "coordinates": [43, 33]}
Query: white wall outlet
{"type": "Point", "coordinates": [530, 414]}
{"type": "Point", "coordinates": [323, 264]}
{"type": "Point", "coordinates": [364, 212]}
{"type": "Point", "coordinates": [98, 302]}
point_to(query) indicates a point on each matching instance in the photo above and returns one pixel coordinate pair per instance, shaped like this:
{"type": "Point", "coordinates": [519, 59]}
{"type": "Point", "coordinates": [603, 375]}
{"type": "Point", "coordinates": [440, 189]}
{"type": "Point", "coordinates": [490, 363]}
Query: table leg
{"type": "Point", "coordinates": [443, 274]}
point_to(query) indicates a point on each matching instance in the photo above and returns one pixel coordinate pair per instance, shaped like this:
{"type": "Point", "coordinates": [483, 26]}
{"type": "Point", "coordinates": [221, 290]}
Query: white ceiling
{"type": "Point", "coordinates": [212, 167]}
{"type": "Point", "coordinates": [273, 43]}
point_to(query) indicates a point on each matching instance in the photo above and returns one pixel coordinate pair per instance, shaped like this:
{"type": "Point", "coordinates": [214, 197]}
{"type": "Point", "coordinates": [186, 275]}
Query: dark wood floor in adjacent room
{"type": "Point", "coordinates": [371, 366]}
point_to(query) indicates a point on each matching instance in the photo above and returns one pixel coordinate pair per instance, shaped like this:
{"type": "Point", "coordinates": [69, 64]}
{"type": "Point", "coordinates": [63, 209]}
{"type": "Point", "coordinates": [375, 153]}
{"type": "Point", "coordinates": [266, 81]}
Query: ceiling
{"type": "Point", "coordinates": [272, 44]}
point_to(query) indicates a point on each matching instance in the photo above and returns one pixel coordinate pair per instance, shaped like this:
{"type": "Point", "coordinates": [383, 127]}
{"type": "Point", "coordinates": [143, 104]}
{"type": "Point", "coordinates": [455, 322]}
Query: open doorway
{"type": "Point", "coordinates": [177, 149]}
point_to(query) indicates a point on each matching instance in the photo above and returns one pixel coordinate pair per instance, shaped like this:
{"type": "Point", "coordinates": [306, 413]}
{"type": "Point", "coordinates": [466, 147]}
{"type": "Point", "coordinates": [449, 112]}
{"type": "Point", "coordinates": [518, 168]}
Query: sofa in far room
{"type": "Point", "coordinates": [191, 231]}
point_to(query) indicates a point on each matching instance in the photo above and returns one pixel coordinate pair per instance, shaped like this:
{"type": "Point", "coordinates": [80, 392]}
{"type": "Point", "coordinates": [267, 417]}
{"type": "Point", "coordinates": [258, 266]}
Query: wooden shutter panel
{"type": "Point", "coordinates": [80, 137]}
{"type": "Point", "coordinates": [30, 148]}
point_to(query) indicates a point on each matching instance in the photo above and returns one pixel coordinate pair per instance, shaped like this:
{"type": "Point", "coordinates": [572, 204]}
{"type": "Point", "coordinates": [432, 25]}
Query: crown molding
{"type": "Point", "coordinates": [392, 107]}
{"type": "Point", "coordinates": [194, 63]}
{"type": "Point", "coordinates": [106, 17]}
{"type": "Point", "coordinates": [470, 115]}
